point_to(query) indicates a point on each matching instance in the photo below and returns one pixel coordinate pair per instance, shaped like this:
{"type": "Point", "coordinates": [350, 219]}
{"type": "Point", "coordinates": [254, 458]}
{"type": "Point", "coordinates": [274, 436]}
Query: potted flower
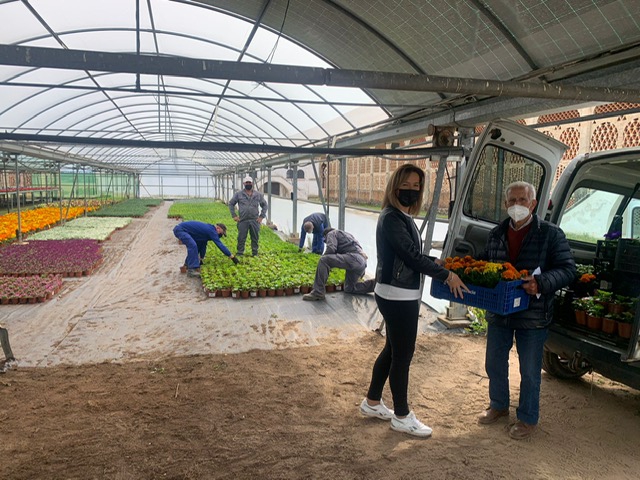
{"type": "Point", "coordinates": [586, 283]}
{"type": "Point", "coordinates": [625, 324]}
{"type": "Point", "coordinates": [594, 316]}
{"type": "Point", "coordinates": [603, 297]}
{"type": "Point", "coordinates": [617, 304]}
{"type": "Point", "coordinates": [610, 323]}
{"type": "Point", "coordinates": [580, 307]}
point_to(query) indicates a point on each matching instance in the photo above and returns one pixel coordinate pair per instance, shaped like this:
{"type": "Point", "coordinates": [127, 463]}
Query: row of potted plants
{"type": "Point", "coordinates": [35, 220]}
{"type": "Point", "coordinates": [96, 228]}
{"type": "Point", "coordinates": [41, 257]}
{"type": "Point", "coordinates": [262, 292]}
{"type": "Point", "coordinates": [607, 312]}
{"type": "Point", "coordinates": [30, 289]}
{"type": "Point", "coordinates": [273, 273]}
{"type": "Point", "coordinates": [132, 207]}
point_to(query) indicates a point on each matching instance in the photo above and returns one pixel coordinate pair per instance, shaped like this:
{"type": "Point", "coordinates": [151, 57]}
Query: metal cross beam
{"type": "Point", "coordinates": [18, 55]}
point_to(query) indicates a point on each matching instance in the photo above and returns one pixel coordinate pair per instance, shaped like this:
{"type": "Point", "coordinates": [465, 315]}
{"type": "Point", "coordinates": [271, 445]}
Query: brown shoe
{"type": "Point", "coordinates": [491, 415]}
{"type": "Point", "coordinates": [521, 430]}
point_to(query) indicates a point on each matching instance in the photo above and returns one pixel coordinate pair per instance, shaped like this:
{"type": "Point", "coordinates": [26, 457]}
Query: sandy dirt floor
{"type": "Point", "coordinates": [133, 373]}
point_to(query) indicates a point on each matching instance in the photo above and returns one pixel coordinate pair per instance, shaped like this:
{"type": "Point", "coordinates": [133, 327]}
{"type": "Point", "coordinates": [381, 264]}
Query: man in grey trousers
{"type": "Point", "coordinates": [342, 251]}
{"type": "Point", "coordinates": [252, 209]}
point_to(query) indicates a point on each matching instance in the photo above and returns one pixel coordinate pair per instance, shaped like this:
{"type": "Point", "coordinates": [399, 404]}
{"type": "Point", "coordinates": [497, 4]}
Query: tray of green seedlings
{"type": "Point", "coordinates": [135, 207]}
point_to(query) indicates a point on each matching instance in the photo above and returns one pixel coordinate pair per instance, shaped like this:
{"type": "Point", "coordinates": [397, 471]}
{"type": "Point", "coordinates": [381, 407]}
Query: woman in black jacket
{"type": "Point", "coordinates": [398, 295]}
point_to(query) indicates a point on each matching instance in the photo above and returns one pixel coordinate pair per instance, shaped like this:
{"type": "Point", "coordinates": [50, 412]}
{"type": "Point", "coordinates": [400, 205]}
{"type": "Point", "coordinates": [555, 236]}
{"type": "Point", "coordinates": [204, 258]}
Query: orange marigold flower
{"type": "Point", "coordinates": [509, 275]}
{"type": "Point", "coordinates": [587, 277]}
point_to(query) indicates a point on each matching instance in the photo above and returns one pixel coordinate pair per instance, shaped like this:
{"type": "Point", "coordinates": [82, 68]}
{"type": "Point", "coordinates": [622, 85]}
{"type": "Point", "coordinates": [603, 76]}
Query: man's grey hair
{"type": "Point", "coordinates": [308, 227]}
{"type": "Point", "coordinates": [530, 189]}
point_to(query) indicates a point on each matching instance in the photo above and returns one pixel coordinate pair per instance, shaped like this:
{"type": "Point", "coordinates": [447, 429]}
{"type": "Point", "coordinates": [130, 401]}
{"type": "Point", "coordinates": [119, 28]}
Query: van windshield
{"type": "Point", "coordinates": [589, 212]}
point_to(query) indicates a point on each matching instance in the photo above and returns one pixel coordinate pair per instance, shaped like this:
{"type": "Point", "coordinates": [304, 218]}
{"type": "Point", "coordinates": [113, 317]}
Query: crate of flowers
{"type": "Point", "coordinates": [496, 287]}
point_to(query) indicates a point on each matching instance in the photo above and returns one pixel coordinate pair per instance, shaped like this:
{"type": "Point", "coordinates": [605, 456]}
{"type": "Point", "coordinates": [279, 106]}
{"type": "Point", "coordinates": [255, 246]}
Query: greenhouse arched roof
{"type": "Point", "coordinates": [358, 73]}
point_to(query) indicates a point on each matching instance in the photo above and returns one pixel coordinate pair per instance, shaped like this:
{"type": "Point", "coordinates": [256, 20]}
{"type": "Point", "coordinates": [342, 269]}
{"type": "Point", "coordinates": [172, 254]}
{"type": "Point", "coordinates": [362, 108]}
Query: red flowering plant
{"type": "Point", "coordinates": [483, 273]}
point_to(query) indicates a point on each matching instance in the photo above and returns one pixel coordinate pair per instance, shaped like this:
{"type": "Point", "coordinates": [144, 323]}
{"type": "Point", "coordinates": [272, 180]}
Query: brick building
{"type": "Point", "coordinates": [603, 127]}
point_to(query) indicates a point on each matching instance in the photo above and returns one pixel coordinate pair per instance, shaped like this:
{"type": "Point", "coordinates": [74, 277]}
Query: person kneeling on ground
{"type": "Point", "coordinates": [195, 236]}
{"type": "Point", "coordinates": [342, 251]}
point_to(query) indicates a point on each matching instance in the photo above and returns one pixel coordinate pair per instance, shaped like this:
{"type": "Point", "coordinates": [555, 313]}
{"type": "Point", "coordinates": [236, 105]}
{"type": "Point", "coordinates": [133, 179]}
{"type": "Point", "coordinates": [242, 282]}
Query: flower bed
{"type": "Point", "coordinates": [35, 220]}
{"type": "Point", "coordinates": [286, 272]}
{"type": "Point", "coordinates": [30, 289]}
{"type": "Point", "coordinates": [279, 269]}
{"type": "Point", "coordinates": [135, 207]}
{"type": "Point", "coordinates": [494, 286]}
{"type": "Point", "coordinates": [76, 257]}
{"type": "Point", "coordinates": [98, 228]}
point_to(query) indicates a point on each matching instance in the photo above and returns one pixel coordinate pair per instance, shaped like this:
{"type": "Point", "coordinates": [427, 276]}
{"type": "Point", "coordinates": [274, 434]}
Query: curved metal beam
{"type": "Point", "coordinates": [506, 33]}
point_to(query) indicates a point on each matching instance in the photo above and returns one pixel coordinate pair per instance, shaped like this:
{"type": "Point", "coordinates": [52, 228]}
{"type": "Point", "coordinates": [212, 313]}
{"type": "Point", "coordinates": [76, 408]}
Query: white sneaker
{"type": "Point", "coordinates": [377, 411]}
{"type": "Point", "coordinates": [411, 425]}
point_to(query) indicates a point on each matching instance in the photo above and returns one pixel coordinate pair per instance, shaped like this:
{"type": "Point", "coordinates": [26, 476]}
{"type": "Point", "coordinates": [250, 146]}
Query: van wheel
{"type": "Point", "coordinates": [559, 367]}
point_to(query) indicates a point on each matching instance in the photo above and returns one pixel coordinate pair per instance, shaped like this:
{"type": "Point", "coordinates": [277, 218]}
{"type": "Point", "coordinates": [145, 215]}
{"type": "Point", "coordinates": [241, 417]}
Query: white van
{"type": "Point", "coordinates": [597, 204]}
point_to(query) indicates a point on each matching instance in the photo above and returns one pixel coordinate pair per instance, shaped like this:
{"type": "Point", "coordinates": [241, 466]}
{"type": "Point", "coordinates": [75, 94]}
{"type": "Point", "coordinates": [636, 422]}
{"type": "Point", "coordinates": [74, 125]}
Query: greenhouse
{"type": "Point", "coordinates": [121, 120]}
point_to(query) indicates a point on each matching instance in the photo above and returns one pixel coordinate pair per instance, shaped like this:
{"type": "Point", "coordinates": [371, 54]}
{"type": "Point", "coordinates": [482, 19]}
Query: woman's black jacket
{"type": "Point", "coordinates": [400, 261]}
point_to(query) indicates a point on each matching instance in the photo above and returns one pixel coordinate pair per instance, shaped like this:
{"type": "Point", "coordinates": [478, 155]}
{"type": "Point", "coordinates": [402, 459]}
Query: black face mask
{"type": "Point", "coordinates": [248, 187]}
{"type": "Point", "coordinates": [408, 197]}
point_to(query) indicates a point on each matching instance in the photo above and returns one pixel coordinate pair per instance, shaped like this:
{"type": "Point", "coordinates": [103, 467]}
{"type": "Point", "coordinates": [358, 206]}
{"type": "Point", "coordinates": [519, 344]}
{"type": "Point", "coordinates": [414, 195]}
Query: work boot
{"type": "Point", "coordinates": [193, 272]}
{"type": "Point", "coordinates": [312, 296]}
{"type": "Point", "coordinates": [521, 430]}
{"type": "Point", "coordinates": [491, 415]}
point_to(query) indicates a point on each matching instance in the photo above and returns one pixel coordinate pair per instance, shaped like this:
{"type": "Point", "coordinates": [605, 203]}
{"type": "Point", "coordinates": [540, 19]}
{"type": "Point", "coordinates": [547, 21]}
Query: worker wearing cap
{"type": "Point", "coordinates": [195, 236]}
{"type": "Point", "coordinates": [252, 209]}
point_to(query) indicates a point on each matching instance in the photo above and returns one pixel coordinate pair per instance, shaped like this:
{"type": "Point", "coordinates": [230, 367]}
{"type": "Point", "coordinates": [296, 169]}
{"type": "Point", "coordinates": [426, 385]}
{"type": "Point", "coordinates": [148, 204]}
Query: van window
{"type": "Point", "coordinates": [497, 168]}
{"type": "Point", "coordinates": [588, 214]}
{"type": "Point", "coordinates": [635, 222]}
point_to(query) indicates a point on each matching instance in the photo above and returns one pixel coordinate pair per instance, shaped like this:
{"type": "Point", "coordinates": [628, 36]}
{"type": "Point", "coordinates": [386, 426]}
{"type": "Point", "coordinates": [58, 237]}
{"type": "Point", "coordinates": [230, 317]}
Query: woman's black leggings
{"type": "Point", "coordinates": [401, 321]}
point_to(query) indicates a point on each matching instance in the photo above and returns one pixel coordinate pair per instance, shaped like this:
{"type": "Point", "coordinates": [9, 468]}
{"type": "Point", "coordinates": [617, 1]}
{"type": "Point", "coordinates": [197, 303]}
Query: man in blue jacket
{"type": "Point", "coordinates": [532, 244]}
{"type": "Point", "coordinates": [314, 223]}
{"type": "Point", "coordinates": [195, 236]}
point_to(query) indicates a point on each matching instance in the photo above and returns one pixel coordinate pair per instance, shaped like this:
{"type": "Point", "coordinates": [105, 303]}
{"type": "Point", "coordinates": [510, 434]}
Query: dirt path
{"type": "Point", "coordinates": [138, 306]}
{"type": "Point", "coordinates": [132, 391]}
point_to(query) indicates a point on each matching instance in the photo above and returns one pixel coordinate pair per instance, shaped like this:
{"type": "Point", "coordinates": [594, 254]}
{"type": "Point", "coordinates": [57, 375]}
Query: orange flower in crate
{"type": "Point", "coordinates": [495, 286]}
{"type": "Point", "coordinates": [587, 278]}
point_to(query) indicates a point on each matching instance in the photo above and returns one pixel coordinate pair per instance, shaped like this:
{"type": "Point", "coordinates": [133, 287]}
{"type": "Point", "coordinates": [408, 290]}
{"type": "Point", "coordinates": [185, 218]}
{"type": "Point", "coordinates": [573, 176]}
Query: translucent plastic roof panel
{"type": "Point", "coordinates": [89, 104]}
{"type": "Point", "coordinates": [541, 41]}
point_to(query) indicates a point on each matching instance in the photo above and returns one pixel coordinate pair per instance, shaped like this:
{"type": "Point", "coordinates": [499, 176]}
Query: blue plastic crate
{"type": "Point", "coordinates": [505, 298]}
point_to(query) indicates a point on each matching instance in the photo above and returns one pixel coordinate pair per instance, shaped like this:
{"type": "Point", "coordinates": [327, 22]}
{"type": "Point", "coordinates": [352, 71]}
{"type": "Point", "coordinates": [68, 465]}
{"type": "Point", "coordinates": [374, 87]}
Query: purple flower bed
{"type": "Point", "coordinates": [34, 288]}
{"type": "Point", "coordinates": [39, 257]}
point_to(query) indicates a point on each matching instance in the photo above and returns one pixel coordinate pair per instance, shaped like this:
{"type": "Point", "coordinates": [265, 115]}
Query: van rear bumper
{"type": "Point", "coordinates": [604, 357]}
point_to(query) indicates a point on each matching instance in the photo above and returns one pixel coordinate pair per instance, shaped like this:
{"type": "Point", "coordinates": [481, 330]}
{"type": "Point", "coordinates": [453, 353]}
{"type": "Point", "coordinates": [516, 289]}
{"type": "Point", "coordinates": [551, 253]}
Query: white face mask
{"type": "Point", "coordinates": [518, 212]}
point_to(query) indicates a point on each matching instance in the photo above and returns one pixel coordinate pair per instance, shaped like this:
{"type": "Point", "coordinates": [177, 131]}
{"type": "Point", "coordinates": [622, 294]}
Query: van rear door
{"type": "Point", "coordinates": [505, 152]}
